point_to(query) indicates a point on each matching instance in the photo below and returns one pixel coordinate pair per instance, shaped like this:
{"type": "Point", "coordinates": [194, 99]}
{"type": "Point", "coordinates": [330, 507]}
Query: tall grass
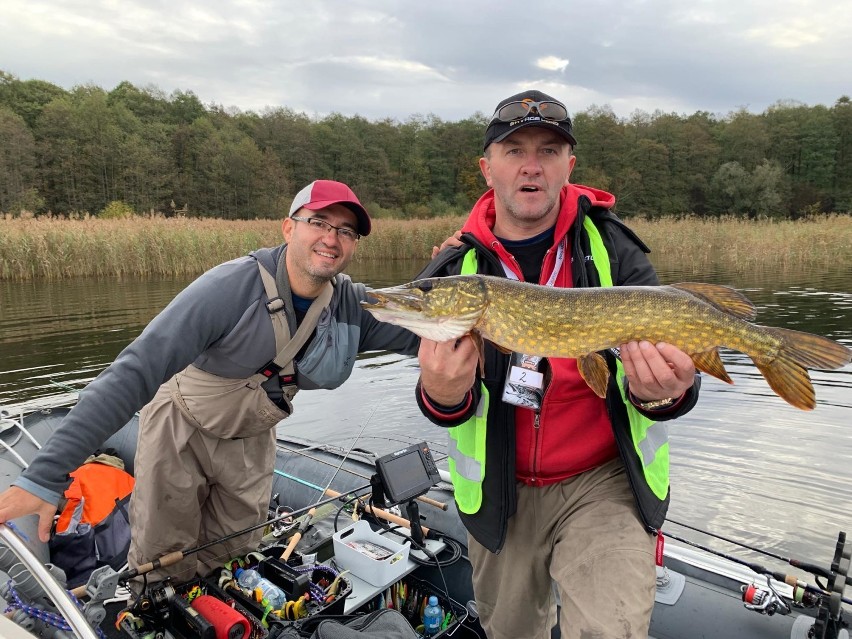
{"type": "Point", "coordinates": [54, 248]}
{"type": "Point", "coordinates": [698, 244]}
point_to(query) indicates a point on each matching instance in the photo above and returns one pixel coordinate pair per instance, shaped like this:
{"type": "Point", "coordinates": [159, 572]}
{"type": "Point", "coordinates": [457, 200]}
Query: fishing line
{"type": "Point", "coordinates": [297, 536]}
{"type": "Point", "coordinates": [299, 480]}
{"type": "Point", "coordinates": [761, 570]}
{"type": "Point", "coordinates": [796, 563]}
{"type": "Point", "coordinates": [302, 453]}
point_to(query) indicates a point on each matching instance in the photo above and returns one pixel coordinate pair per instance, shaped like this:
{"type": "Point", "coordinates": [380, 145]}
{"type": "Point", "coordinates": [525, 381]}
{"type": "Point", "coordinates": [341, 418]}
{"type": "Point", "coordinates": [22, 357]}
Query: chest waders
{"type": "Point", "coordinates": [207, 451]}
{"type": "Point", "coordinates": [240, 407]}
{"type": "Point", "coordinates": [467, 440]}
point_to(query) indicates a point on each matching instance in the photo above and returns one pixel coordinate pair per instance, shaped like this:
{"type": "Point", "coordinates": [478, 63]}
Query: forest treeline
{"type": "Point", "coordinates": [136, 148]}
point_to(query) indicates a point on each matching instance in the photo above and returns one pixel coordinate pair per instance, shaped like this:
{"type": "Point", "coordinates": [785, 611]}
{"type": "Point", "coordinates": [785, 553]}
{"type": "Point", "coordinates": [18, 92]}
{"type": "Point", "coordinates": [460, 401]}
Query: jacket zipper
{"type": "Point", "coordinates": [537, 431]}
{"type": "Point", "coordinates": [537, 419]}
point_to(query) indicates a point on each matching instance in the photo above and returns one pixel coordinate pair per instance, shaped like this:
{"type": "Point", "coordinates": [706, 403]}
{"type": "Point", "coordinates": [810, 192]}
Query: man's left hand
{"type": "Point", "coordinates": [657, 371]}
{"type": "Point", "coordinates": [453, 240]}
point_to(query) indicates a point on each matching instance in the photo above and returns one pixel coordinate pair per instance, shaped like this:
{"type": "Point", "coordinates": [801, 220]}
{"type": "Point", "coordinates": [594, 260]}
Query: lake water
{"type": "Point", "coordinates": [744, 463]}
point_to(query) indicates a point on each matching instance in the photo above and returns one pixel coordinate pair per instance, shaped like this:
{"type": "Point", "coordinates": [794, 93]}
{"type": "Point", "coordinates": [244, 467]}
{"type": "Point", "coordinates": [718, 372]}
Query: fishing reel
{"type": "Point", "coordinates": [161, 610]}
{"type": "Point", "coordinates": [154, 602]}
{"type": "Point", "coordinates": [281, 524]}
{"type": "Point", "coordinates": [766, 601]}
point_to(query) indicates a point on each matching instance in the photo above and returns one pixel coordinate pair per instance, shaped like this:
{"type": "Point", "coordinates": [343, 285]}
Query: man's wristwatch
{"type": "Point", "coordinates": [655, 404]}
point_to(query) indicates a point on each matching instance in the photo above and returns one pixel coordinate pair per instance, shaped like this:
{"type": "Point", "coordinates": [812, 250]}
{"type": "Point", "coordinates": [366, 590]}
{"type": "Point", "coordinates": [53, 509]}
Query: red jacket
{"type": "Point", "coordinates": [570, 411]}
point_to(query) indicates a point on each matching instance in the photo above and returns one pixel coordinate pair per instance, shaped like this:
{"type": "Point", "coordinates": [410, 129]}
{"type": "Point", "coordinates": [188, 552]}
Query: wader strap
{"type": "Point", "coordinates": [275, 305]}
{"type": "Point", "coordinates": [306, 328]}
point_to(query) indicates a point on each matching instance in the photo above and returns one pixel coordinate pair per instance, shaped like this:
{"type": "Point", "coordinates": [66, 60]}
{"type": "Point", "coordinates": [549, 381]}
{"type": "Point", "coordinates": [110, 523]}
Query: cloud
{"type": "Point", "coordinates": [383, 58]}
{"type": "Point", "coordinates": [551, 63]}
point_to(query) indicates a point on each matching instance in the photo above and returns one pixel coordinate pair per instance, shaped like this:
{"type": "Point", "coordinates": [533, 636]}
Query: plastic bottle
{"type": "Point", "coordinates": [251, 579]}
{"type": "Point", "coordinates": [433, 616]}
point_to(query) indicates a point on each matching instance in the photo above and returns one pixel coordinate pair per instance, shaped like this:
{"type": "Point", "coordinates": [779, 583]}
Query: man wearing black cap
{"type": "Point", "coordinates": [215, 371]}
{"type": "Point", "coordinates": [553, 483]}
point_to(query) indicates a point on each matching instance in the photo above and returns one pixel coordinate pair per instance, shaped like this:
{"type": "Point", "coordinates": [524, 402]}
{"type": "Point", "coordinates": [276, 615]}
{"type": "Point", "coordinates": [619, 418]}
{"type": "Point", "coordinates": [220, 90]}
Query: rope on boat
{"type": "Point", "coordinates": [49, 618]}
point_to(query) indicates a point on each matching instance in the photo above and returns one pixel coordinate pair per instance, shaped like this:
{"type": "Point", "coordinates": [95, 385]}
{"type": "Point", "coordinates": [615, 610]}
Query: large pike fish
{"type": "Point", "coordinates": [578, 323]}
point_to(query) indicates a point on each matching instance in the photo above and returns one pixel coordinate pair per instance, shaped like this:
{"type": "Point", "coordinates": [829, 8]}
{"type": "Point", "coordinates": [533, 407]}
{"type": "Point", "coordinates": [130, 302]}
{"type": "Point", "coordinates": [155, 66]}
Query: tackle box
{"type": "Point", "coordinates": [295, 582]}
{"type": "Point", "coordinates": [170, 608]}
{"type": "Point", "coordinates": [370, 556]}
{"type": "Point", "coordinates": [418, 591]}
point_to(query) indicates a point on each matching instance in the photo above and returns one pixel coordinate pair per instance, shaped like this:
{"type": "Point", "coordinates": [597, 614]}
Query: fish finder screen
{"type": "Point", "coordinates": [407, 473]}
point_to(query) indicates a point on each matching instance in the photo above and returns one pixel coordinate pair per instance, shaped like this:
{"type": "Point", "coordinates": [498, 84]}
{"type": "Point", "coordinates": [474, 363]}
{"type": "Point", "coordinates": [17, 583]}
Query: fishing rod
{"type": "Point", "coordinates": [301, 453]}
{"type": "Point", "coordinates": [790, 580]}
{"type": "Point", "coordinates": [174, 557]}
{"type": "Point", "coordinates": [796, 563]}
{"type": "Point", "coordinates": [303, 526]}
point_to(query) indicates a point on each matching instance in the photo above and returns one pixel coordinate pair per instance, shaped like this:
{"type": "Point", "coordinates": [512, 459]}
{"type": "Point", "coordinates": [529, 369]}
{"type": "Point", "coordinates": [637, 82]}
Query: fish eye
{"type": "Point", "coordinates": [425, 286]}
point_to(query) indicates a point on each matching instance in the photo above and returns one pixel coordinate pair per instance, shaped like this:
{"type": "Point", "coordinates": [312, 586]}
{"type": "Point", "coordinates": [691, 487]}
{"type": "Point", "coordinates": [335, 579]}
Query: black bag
{"type": "Point", "coordinates": [382, 624]}
{"type": "Point", "coordinates": [78, 553]}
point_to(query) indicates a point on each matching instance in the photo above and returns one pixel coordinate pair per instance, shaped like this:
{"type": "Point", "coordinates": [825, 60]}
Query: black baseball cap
{"type": "Point", "coordinates": [530, 108]}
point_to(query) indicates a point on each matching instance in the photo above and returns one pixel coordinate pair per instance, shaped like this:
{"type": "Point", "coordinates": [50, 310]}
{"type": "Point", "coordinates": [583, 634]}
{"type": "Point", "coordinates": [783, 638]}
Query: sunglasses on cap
{"type": "Point", "coordinates": [547, 110]}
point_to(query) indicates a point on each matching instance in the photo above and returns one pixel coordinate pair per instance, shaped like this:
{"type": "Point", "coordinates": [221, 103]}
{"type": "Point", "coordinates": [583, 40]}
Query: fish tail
{"type": "Point", "coordinates": [813, 351]}
{"type": "Point", "coordinates": [787, 372]}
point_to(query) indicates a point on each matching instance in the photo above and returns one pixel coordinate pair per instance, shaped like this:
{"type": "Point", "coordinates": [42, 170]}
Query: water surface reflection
{"type": "Point", "coordinates": [744, 463]}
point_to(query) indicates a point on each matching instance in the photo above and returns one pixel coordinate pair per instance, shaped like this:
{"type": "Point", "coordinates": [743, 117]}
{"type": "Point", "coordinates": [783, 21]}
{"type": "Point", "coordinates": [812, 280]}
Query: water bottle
{"type": "Point", "coordinates": [251, 580]}
{"type": "Point", "coordinates": [433, 616]}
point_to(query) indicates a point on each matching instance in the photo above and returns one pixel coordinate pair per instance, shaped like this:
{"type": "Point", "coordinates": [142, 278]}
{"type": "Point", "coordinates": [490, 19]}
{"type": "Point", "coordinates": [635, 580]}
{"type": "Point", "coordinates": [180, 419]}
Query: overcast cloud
{"type": "Point", "coordinates": [385, 58]}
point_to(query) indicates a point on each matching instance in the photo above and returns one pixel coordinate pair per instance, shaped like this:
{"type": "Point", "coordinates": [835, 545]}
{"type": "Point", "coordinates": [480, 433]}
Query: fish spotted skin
{"type": "Point", "coordinates": [579, 322]}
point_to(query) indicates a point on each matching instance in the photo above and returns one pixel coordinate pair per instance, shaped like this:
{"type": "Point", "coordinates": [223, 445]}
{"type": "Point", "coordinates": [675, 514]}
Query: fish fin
{"type": "Point", "coordinates": [812, 351]}
{"type": "Point", "coordinates": [724, 298]}
{"type": "Point", "coordinates": [787, 373]}
{"type": "Point", "coordinates": [789, 380]}
{"type": "Point", "coordinates": [711, 363]}
{"type": "Point", "coordinates": [594, 371]}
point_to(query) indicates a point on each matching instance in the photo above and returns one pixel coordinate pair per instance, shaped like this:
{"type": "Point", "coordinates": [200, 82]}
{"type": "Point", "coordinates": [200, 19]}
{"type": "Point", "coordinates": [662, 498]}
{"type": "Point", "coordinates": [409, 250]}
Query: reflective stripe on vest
{"type": "Point", "coordinates": [650, 438]}
{"type": "Point", "coordinates": [467, 440]}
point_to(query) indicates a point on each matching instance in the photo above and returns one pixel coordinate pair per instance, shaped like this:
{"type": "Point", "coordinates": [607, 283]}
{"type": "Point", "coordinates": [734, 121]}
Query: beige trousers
{"type": "Point", "coordinates": [193, 487]}
{"type": "Point", "coordinates": [584, 535]}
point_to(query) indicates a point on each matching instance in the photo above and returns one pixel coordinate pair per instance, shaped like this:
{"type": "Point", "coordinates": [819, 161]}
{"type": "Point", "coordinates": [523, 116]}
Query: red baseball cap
{"type": "Point", "coordinates": [320, 194]}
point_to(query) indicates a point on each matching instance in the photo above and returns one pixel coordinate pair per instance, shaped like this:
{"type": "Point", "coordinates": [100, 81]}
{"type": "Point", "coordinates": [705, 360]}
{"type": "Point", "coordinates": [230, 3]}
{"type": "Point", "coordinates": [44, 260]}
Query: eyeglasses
{"type": "Point", "coordinates": [547, 110]}
{"type": "Point", "coordinates": [324, 227]}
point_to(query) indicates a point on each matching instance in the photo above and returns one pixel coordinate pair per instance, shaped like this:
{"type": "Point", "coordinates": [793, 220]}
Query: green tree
{"type": "Point", "coordinates": [17, 163]}
{"type": "Point", "coordinates": [731, 188]}
{"type": "Point", "coordinates": [757, 193]}
{"type": "Point", "coordinates": [58, 161]}
{"type": "Point", "coordinates": [27, 98]}
{"type": "Point", "coordinates": [149, 104]}
{"type": "Point", "coordinates": [649, 193]}
{"type": "Point", "coordinates": [842, 179]}
{"type": "Point", "coordinates": [770, 190]}
{"type": "Point", "coordinates": [601, 148]}
{"type": "Point", "coordinates": [744, 138]}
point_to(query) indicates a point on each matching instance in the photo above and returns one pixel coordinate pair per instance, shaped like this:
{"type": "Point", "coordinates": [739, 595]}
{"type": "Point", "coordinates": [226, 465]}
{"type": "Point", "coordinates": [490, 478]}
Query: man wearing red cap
{"type": "Point", "coordinates": [213, 374]}
{"type": "Point", "coordinates": [554, 484]}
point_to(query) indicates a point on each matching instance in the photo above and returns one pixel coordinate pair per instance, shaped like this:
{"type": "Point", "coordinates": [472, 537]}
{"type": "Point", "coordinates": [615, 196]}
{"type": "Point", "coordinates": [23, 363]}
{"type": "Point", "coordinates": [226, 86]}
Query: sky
{"type": "Point", "coordinates": [400, 58]}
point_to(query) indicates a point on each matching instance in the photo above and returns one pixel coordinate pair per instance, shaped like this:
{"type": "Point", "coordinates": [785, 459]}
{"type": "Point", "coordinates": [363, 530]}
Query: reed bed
{"type": "Point", "coordinates": [697, 245]}
{"type": "Point", "coordinates": [53, 248]}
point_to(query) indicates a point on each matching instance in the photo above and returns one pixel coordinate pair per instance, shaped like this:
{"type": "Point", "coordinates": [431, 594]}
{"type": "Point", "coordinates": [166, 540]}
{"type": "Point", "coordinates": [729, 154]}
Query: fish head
{"type": "Point", "coordinates": [435, 308]}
